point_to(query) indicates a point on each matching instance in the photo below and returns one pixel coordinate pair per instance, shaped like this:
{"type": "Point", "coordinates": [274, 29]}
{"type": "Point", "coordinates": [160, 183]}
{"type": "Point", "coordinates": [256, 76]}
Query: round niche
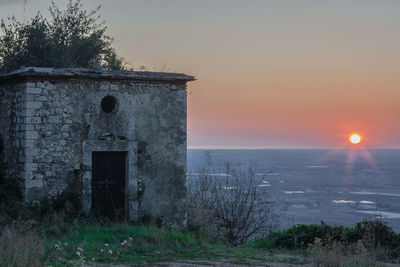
{"type": "Point", "coordinates": [108, 104]}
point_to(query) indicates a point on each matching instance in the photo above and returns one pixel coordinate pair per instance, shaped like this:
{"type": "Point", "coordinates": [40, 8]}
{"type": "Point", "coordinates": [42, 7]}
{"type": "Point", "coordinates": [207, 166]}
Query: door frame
{"type": "Point", "coordinates": [127, 146]}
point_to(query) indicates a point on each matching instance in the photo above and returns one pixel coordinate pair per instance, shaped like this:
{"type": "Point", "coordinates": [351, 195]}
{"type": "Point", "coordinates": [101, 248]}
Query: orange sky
{"type": "Point", "coordinates": [270, 73]}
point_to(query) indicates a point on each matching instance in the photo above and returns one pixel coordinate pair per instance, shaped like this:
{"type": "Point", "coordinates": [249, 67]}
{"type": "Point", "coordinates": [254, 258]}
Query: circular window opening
{"type": "Point", "coordinates": [108, 103]}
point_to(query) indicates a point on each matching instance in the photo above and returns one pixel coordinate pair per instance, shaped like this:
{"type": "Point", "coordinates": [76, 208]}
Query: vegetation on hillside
{"type": "Point", "coordinates": [372, 238]}
{"type": "Point", "coordinates": [71, 38]}
{"type": "Point", "coordinates": [57, 234]}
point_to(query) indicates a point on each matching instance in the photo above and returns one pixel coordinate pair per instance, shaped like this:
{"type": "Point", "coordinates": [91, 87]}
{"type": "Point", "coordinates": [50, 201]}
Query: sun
{"type": "Point", "coordinates": [355, 139]}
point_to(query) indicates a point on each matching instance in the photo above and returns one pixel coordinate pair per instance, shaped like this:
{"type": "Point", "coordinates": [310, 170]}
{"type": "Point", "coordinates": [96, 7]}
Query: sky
{"type": "Point", "coordinates": [270, 74]}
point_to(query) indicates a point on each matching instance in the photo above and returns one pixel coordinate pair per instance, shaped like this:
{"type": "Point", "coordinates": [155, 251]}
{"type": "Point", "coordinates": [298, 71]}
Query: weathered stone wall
{"type": "Point", "coordinates": [61, 116]}
{"type": "Point", "coordinates": [161, 136]}
{"type": "Point", "coordinates": [54, 125]}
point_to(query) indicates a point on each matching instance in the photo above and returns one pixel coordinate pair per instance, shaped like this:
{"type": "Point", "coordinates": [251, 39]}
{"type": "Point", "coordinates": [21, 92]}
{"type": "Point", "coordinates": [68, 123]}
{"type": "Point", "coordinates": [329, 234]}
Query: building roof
{"type": "Point", "coordinates": [97, 74]}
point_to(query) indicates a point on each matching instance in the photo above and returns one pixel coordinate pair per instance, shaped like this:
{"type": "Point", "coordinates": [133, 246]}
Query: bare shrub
{"type": "Point", "coordinates": [336, 254]}
{"type": "Point", "coordinates": [21, 246]}
{"type": "Point", "coordinates": [227, 199]}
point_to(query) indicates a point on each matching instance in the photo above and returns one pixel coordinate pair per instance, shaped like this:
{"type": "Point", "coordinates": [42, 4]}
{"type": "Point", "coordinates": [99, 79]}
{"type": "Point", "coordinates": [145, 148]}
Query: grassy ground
{"type": "Point", "coordinates": [55, 242]}
{"type": "Point", "coordinates": [133, 244]}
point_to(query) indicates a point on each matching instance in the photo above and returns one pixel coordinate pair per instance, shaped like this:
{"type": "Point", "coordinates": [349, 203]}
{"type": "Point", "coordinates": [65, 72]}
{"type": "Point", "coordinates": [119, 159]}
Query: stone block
{"type": "Point", "coordinates": [49, 86]}
{"type": "Point", "coordinates": [33, 104]}
{"type": "Point", "coordinates": [30, 84]}
{"type": "Point", "coordinates": [28, 143]}
{"type": "Point", "coordinates": [28, 112]}
{"type": "Point", "coordinates": [33, 120]}
{"type": "Point", "coordinates": [31, 135]}
{"type": "Point", "coordinates": [68, 109]}
{"type": "Point", "coordinates": [54, 119]}
{"type": "Point", "coordinates": [114, 87]}
{"type": "Point", "coordinates": [104, 86]}
{"type": "Point", "coordinates": [34, 183]}
{"type": "Point", "coordinates": [33, 90]}
{"type": "Point", "coordinates": [40, 85]}
{"type": "Point", "coordinates": [30, 167]}
{"type": "Point", "coordinates": [29, 97]}
{"type": "Point", "coordinates": [65, 128]}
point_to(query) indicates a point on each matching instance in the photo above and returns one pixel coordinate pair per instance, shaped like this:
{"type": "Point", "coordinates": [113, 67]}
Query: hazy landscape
{"type": "Point", "coordinates": [336, 186]}
{"type": "Point", "coordinates": [136, 133]}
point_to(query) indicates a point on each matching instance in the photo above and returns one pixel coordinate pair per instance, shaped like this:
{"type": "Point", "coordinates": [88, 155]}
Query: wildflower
{"type": "Point", "coordinates": [117, 254]}
{"type": "Point", "coordinates": [66, 244]}
{"type": "Point", "coordinates": [110, 252]}
{"type": "Point", "coordinates": [129, 244]}
{"type": "Point", "coordinates": [59, 249]}
{"type": "Point", "coordinates": [106, 245]}
{"type": "Point", "coordinates": [80, 249]}
{"type": "Point", "coordinates": [93, 259]}
{"type": "Point", "coordinates": [130, 239]}
{"type": "Point", "coordinates": [78, 254]}
{"type": "Point", "coordinates": [57, 246]}
{"type": "Point", "coordinates": [124, 244]}
{"type": "Point", "coordinates": [58, 243]}
{"type": "Point", "coordinates": [101, 250]}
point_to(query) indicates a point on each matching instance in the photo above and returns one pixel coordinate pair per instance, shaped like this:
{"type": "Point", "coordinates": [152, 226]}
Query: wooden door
{"type": "Point", "coordinates": [108, 184]}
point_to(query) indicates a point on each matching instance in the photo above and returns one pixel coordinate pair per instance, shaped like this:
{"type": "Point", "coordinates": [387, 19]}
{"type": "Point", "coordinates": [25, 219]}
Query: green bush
{"type": "Point", "coordinates": [376, 235]}
{"type": "Point", "coordinates": [301, 236]}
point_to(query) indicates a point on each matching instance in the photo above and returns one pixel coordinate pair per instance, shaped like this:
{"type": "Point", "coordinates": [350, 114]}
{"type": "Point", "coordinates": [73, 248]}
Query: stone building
{"type": "Point", "coordinates": [121, 136]}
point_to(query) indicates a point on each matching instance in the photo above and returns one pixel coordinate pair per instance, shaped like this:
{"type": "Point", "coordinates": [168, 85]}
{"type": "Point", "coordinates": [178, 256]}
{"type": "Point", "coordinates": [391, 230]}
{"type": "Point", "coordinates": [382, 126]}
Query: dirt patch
{"type": "Point", "coordinates": [209, 263]}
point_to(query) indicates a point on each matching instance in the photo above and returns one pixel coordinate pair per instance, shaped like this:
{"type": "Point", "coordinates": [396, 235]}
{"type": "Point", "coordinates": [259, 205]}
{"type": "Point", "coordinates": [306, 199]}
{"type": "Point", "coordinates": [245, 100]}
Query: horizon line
{"type": "Point", "coordinates": [275, 147]}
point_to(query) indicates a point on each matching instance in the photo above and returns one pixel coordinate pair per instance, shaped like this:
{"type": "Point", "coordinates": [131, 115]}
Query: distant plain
{"type": "Point", "coordinates": [335, 186]}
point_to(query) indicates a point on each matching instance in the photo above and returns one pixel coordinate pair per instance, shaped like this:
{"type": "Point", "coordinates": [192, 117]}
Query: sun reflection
{"type": "Point", "coordinates": [355, 148]}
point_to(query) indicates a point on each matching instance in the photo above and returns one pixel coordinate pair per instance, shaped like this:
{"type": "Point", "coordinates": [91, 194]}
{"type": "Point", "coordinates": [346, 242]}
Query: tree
{"type": "Point", "coordinates": [71, 38]}
{"type": "Point", "coordinates": [227, 197]}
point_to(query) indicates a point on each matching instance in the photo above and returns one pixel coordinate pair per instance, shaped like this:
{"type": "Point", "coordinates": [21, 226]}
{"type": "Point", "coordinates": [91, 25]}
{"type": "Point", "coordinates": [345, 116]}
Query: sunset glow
{"type": "Point", "coordinates": [355, 139]}
{"type": "Point", "coordinates": [270, 74]}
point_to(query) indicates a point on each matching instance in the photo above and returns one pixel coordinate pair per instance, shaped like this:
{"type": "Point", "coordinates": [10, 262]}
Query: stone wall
{"type": "Point", "coordinates": [54, 125]}
{"type": "Point", "coordinates": [161, 137]}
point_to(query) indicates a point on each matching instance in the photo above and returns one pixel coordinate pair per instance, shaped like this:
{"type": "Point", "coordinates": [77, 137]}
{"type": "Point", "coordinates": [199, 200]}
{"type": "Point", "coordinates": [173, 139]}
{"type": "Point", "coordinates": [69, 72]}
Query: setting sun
{"type": "Point", "coordinates": [355, 139]}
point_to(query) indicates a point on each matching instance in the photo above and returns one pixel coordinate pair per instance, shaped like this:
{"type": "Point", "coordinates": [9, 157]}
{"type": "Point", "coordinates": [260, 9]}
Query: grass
{"type": "Point", "coordinates": [87, 242]}
{"type": "Point", "coordinates": [146, 244]}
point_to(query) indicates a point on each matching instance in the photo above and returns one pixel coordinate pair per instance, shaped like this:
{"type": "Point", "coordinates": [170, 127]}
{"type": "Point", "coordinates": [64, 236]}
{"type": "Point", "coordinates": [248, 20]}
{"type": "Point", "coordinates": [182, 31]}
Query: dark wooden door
{"type": "Point", "coordinates": [108, 184]}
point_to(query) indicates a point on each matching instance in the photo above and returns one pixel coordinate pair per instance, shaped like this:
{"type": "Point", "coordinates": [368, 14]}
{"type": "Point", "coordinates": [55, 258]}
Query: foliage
{"type": "Point", "coordinates": [21, 246]}
{"type": "Point", "coordinates": [301, 236]}
{"type": "Point", "coordinates": [8, 190]}
{"type": "Point", "coordinates": [10, 195]}
{"type": "Point", "coordinates": [339, 254]}
{"type": "Point", "coordinates": [379, 239]}
{"type": "Point", "coordinates": [229, 202]}
{"type": "Point", "coordinates": [74, 38]}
